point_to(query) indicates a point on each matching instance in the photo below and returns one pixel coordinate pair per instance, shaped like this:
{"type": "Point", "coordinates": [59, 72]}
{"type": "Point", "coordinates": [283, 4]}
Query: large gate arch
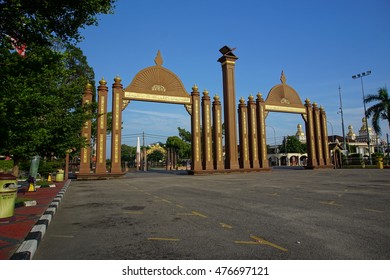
{"type": "Point", "coordinates": [209, 153]}
{"type": "Point", "coordinates": [152, 84]}
{"type": "Point", "coordinates": [284, 98]}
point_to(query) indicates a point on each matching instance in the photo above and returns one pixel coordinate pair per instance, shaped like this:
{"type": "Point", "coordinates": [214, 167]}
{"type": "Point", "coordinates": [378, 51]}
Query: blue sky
{"type": "Point", "coordinates": [318, 44]}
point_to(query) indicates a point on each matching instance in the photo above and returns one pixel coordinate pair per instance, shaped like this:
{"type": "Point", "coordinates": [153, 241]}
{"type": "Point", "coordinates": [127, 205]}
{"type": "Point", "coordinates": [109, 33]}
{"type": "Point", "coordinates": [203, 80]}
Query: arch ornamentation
{"type": "Point", "coordinates": [157, 84]}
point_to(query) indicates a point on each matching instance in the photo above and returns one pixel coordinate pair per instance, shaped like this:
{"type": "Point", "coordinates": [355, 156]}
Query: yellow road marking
{"type": "Point", "coordinates": [148, 193]}
{"type": "Point", "coordinates": [261, 241]}
{"type": "Point", "coordinates": [198, 214]}
{"type": "Point", "coordinates": [180, 206]}
{"type": "Point", "coordinates": [225, 225]}
{"type": "Point", "coordinates": [373, 210]}
{"type": "Point", "coordinates": [134, 212]}
{"type": "Point", "coordinates": [332, 202]}
{"type": "Point", "coordinates": [162, 239]}
{"type": "Point", "coordinates": [166, 200]}
{"type": "Point", "coordinates": [273, 194]}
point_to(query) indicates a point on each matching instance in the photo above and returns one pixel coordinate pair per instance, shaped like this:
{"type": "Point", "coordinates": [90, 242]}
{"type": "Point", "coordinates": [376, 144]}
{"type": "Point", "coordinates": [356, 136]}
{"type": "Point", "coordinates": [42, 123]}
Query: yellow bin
{"type": "Point", "coordinates": [8, 193]}
{"type": "Point", "coordinates": [60, 175]}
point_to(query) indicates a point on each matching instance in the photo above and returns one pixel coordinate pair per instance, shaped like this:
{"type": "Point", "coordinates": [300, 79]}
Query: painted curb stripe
{"type": "Point", "coordinates": [29, 246]}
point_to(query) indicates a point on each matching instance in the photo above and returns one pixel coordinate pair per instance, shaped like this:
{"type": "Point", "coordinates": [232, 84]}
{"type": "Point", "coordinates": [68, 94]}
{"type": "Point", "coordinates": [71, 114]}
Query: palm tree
{"type": "Point", "coordinates": [380, 110]}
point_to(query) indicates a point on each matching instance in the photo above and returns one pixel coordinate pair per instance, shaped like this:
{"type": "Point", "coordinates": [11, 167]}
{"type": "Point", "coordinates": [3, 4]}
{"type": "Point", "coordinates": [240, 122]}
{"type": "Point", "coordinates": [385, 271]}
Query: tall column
{"type": "Point", "coordinates": [101, 128]}
{"type": "Point", "coordinates": [243, 134]}
{"type": "Point", "coordinates": [260, 104]}
{"type": "Point", "coordinates": [252, 132]}
{"type": "Point", "coordinates": [217, 134]}
{"type": "Point", "coordinates": [229, 105]}
{"type": "Point", "coordinates": [85, 153]}
{"type": "Point", "coordinates": [318, 135]}
{"type": "Point", "coordinates": [195, 130]}
{"type": "Point", "coordinates": [206, 132]}
{"type": "Point", "coordinates": [310, 141]}
{"type": "Point", "coordinates": [117, 91]}
{"type": "Point", "coordinates": [324, 132]}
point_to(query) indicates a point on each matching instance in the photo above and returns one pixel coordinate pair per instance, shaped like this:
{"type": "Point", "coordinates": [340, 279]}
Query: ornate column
{"type": "Point", "coordinates": [117, 92]}
{"type": "Point", "coordinates": [260, 104]}
{"type": "Point", "coordinates": [318, 135]}
{"type": "Point", "coordinates": [206, 132]}
{"type": "Point", "coordinates": [243, 134]}
{"type": "Point", "coordinates": [195, 130]}
{"type": "Point", "coordinates": [324, 133]}
{"type": "Point", "coordinates": [101, 128]}
{"type": "Point", "coordinates": [310, 141]}
{"type": "Point", "coordinates": [217, 134]}
{"type": "Point", "coordinates": [252, 133]}
{"type": "Point", "coordinates": [85, 153]}
{"type": "Point", "coordinates": [229, 105]}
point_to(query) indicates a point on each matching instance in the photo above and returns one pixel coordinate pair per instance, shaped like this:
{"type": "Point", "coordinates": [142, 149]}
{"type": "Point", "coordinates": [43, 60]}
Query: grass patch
{"type": "Point", "coordinates": [19, 201]}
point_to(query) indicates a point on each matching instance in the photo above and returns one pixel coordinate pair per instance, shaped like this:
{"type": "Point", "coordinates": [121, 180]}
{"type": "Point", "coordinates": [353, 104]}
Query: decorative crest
{"type": "Point", "coordinates": [158, 59]}
{"type": "Point", "coordinates": [283, 78]}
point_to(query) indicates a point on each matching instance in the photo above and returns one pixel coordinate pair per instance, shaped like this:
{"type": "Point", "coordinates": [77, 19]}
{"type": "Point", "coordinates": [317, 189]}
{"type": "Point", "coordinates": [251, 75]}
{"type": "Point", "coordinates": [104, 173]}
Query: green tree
{"type": "Point", "coordinates": [183, 148]}
{"type": "Point", "coordinates": [184, 134]}
{"type": "Point", "coordinates": [380, 110]}
{"type": "Point", "coordinates": [128, 152]}
{"type": "Point", "coordinates": [291, 144]}
{"type": "Point", "coordinates": [42, 22]}
{"type": "Point", "coordinates": [41, 93]}
{"type": "Point", "coordinates": [40, 102]}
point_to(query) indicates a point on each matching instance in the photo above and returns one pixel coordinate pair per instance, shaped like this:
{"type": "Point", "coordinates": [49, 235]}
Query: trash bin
{"type": "Point", "coordinates": [379, 162]}
{"type": "Point", "coordinates": [60, 175]}
{"type": "Point", "coordinates": [34, 166]}
{"type": "Point", "coordinates": [8, 193]}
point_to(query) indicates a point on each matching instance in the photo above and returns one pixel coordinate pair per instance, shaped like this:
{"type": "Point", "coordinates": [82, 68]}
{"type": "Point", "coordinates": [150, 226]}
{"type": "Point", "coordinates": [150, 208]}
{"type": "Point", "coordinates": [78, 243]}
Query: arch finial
{"type": "Point", "coordinates": [158, 59]}
{"type": "Point", "coordinates": [283, 78]}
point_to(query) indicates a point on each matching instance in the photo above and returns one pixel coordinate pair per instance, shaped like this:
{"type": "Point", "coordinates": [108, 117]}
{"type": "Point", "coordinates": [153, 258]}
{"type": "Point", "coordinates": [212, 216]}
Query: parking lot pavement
{"type": "Point", "coordinates": [283, 214]}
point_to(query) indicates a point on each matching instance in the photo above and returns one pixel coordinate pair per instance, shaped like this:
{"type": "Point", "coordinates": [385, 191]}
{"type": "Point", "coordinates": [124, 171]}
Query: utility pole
{"type": "Point", "coordinates": [144, 152]}
{"type": "Point", "coordinates": [361, 75]}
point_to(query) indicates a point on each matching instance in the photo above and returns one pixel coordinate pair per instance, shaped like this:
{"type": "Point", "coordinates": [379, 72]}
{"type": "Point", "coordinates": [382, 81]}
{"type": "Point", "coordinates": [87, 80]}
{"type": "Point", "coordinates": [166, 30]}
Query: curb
{"type": "Point", "coordinates": [30, 244]}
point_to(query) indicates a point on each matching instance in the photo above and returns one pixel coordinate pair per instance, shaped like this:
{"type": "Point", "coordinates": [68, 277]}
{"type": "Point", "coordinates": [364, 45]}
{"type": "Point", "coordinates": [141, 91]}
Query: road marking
{"type": "Point", "coordinates": [134, 212]}
{"type": "Point", "coordinates": [261, 241]}
{"type": "Point", "coordinates": [198, 214]}
{"type": "Point", "coordinates": [157, 197]}
{"type": "Point", "coordinates": [373, 210]}
{"type": "Point", "coordinates": [273, 194]}
{"type": "Point", "coordinates": [226, 225]}
{"type": "Point", "coordinates": [63, 236]}
{"type": "Point", "coordinates": [193, 213]}
{"type": "Point", "coordinates": [166, 200]}
{"type": "Point", "coordinates": [180, 206]}
{"type": "Point", "coordinates": [162, 239]}
{"type": "Point", "coordinates": [148, 193]}
{"type": "Point", "coordinates": [332, 202]}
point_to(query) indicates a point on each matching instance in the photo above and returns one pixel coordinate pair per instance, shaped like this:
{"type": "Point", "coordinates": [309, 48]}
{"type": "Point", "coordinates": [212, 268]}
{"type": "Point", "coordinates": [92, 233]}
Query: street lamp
{"type": "Point", "coordinates": [342, 120]}
{"type": "Point", "coordinates": [361, 75]}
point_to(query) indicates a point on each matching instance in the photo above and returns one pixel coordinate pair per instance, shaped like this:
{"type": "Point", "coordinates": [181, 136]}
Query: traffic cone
{"type": "Point", "coordinates": [49, 178]}
{"type": "Point", "coordinates": [31, 188]}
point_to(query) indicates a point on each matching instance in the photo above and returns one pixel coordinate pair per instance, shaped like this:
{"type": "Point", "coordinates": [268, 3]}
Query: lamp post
{"type": "Point", "coordinates": [342, 120]}
{"type": "Point", "coordinates": [361, 75]}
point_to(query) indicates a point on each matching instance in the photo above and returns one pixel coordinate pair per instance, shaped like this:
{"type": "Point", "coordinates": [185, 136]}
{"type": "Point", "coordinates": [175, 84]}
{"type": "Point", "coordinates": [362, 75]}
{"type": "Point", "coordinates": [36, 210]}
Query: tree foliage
{"type": "Point", "coordinates": [42, 22]}
{"type": "Point", "coordinates": [380, 110]}
{"type": "Point", "coordinates": [41, 93]}
{"type": "Point", "coordinates": [40, 102]}
{"type": "Point", "coordinates": [291, 144]}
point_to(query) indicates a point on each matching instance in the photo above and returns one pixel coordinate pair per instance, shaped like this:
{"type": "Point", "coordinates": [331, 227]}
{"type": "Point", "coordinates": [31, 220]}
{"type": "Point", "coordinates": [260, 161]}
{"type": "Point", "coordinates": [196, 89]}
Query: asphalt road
{"type": "Point", "coordinates": [282, 214]}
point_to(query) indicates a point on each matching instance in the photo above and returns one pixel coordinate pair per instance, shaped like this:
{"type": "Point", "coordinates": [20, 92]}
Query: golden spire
{"type": "Point", "coordinates": [283, 78]}
{"type": "Point", "coordinates": [158, 59]}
